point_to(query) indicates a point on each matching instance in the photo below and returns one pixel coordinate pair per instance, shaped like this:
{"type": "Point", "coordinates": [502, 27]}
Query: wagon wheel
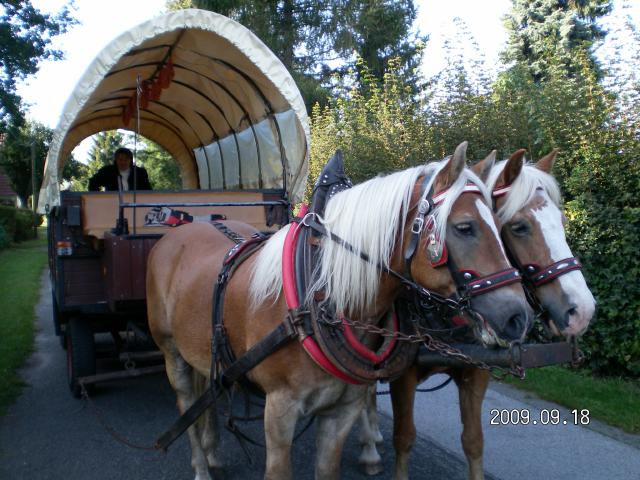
{"type": "Point", "coordinates": [81, 358]}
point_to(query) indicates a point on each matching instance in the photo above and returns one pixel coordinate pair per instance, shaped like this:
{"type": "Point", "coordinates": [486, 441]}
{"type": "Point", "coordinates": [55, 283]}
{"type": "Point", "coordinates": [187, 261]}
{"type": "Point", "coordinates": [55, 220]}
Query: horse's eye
{"type": "Point", "coordinates": [464, 229]}
{"type": "Point", "coordinates": [519, 228]}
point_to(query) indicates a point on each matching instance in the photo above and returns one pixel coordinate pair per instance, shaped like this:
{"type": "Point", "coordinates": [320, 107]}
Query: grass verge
{"type": "Point", "coordinates": [611, 400]}
{"type": "Point", "coordinates": [20, 270]}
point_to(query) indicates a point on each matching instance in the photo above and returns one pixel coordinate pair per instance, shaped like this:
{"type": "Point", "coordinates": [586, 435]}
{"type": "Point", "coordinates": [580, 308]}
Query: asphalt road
{"type": "Point", "coordinates": [48, 434]}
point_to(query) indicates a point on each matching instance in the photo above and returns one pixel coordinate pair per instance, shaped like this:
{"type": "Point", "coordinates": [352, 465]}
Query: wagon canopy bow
{"type": "Point", "coordinates": [213, 95]}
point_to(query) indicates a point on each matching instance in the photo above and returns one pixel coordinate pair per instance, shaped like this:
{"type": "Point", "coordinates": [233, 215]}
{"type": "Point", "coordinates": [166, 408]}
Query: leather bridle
{"type": "Point", "coordinates": [469, 283]}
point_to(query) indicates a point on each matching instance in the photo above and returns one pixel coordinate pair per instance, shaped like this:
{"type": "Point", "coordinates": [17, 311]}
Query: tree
{"type": "Point", "coordinates": [544, 29]}
{"type": "Point", "coordinates": [621, 57]}
{"type": "Point", "coordinates": [316, 39]}
{"type": "Point", "coordinates": [163, 170]}
{"type": "Point", "coordinates": [25, 39]}
{"type": "Point", "coordinates": [103, 150]}
{"type": "Point", "coordinates": [24, 144]}
{"type": "Point", "coordinates": [379, 126]}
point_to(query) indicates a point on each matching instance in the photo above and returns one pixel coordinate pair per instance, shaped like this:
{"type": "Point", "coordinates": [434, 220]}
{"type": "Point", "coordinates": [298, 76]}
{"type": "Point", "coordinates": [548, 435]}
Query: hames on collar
{"type": "Point", "coordinates": [331, 181]}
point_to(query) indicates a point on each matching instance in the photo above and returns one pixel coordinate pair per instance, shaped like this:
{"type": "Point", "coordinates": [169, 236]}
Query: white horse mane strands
{"type": "Point", "coordinates": [523, 188]}
{"type": "Point", "coordinates": [368, 217]}
{"type": "Point", "coordinates": [266, 277]}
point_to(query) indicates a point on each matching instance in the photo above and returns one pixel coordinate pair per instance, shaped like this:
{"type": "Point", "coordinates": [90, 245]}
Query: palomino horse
{"type": "Point", "coordinates": [373, 217]}
{"type": "Point", "coordinates": [527, 201]}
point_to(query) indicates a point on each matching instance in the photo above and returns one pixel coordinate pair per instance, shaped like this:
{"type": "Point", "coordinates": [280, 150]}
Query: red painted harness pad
{"type": "Point", "coordinates": [291, 297]}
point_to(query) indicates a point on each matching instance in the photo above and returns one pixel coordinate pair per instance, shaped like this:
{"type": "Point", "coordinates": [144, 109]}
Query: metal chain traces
{"type": "Point", "coordinates": [438, 346]}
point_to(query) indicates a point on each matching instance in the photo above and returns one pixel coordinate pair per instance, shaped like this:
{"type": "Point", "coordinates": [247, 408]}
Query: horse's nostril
{"type": "Point", "coordinates": [515, 327]}
{"type": "Point", "coordinates": [569, 315]}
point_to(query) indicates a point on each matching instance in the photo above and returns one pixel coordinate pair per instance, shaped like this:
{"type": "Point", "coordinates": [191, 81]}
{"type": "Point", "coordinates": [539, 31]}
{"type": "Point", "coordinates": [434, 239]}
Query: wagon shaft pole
{"type": "Point", "coordinates": [526, 355]}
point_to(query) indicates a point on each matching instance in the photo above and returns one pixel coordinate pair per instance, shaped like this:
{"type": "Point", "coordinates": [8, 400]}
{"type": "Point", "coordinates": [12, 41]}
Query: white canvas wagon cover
{"type": "Point", "coordinates": [212, 95]}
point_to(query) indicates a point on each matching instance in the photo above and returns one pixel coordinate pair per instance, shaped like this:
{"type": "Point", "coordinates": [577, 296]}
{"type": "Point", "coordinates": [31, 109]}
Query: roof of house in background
{"type": "Point", "coordinates": [6, 190]}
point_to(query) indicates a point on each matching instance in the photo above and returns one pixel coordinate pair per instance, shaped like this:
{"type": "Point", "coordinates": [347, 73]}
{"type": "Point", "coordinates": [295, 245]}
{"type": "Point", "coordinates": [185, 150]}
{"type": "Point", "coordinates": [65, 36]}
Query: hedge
{"type": "Point", "coordinates": [4, 238]}
{"type": "Point", "coordinates": [18, 223]}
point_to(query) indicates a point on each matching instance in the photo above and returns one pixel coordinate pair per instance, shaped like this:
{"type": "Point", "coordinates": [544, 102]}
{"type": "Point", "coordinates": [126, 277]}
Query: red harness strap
{"type": "Point", "coordinates": [363, 350]}
{"type": "Point", "coordinates": [291, 297]}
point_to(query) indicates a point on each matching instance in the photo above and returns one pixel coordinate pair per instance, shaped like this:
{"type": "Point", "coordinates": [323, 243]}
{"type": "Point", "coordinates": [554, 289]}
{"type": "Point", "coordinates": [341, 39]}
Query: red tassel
{"type": "Point", "coordinates": [163, 78]}
{"type": "Point", "coordinates": [144, 95]}
{"type": "Point", "coordinates": [155, 91]}
{"type": "Point", "coordinates": [172, 72]}
{"type": "Point", "coordinates": [166, 74]}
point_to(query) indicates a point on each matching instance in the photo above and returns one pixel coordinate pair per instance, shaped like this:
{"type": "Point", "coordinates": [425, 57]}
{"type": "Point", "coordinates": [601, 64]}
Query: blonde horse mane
{"type": "Point", "coordinates": [266, 277]}
{"type": "Point", "coordinates": [523, 188]}
{"type": "Point", "coordinates": [368, 217]}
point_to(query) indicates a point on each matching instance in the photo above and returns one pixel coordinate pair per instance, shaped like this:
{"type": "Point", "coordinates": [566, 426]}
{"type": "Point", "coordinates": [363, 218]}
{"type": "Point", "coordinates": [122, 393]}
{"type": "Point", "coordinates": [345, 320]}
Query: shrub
{"type": "Point", "coordinates": [18, 223]}
{"type": "Point", "coordinates": [605, 233]}
{"type": "Point", "coordinates": [4, 238]}
{"type": "Point", "coordinates": [8, 221]}
{"type": "Point", "coordinates": [25, 221]}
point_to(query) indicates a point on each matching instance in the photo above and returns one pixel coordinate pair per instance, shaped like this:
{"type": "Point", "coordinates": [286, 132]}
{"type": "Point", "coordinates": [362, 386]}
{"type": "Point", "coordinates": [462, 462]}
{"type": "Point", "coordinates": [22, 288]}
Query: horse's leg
{"type": "Point", "coordinates": [403, 392]}
{"type": "Point", "coordinates": [472, 386]}
{"type": "Point", "coordinates": [210, 438]}
{"type": "Point", "coordinates": [280, 417]}
{"type": "Point", "coordinates": [180, 375]}
{"type": "Point", "coordinates": [370, 435]}
{"type": "Point", "coordinates": [332, 428]}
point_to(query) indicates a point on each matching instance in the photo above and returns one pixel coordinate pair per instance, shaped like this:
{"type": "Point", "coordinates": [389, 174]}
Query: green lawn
{"type": "Point", "coordinates": [21, 266]}
{"type": "Point", "coordinates": [611, 400]}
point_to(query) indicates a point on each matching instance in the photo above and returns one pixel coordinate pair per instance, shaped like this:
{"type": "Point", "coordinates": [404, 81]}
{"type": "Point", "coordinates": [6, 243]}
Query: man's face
{"type": "Point", "coordinates": [123, 162]}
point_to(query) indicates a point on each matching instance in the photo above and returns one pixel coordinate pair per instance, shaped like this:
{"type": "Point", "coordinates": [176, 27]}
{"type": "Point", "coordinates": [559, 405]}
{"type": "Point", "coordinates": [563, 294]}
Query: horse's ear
{"type": "Point", "coordinates": [512, 168]}
{"type": "Point", "coordinates": [546, 163]}
{"type": "Point", "coordinates": [452, 170]}
{"type": "Point", "coordinates": [483, 167]}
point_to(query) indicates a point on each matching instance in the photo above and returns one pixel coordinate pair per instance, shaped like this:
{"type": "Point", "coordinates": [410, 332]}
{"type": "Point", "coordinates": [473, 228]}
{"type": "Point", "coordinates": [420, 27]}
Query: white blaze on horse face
{"type": "Point", "coordinates": [487, 216]}
{"type": "Point", "coordinates": [573, 284]}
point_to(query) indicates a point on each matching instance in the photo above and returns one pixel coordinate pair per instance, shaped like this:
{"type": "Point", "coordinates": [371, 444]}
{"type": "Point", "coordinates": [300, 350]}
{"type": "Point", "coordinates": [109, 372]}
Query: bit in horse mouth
{"type": "Point", "coordinates": [489, 336]}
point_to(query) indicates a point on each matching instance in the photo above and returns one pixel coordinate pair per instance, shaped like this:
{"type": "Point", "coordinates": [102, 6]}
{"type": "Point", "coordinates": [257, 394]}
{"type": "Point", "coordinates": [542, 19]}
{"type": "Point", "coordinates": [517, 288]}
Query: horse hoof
{"type": "Point", "coordinates": [373, 468]}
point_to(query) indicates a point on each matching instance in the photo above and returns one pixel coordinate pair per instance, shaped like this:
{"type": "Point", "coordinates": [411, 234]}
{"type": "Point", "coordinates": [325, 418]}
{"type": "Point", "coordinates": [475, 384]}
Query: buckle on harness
{"type": "Point", "coordinates": [418, 224]}
{"type": "Point", "coordinates": [295, 323]}
{"type": "Point", "coordinates": [424, 207]}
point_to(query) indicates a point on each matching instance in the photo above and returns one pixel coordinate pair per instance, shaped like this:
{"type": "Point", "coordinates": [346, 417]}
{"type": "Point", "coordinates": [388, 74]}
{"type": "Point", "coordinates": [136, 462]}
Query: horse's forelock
{"type": "Point", "coordinates": [523, 188]}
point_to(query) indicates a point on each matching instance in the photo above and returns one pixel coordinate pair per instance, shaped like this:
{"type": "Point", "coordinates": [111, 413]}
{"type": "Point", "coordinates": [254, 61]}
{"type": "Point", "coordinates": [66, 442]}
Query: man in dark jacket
{"type": "Point", "coordinates": [120, 175]}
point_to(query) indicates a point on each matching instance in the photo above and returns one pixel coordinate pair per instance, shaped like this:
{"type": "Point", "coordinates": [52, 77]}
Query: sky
{"type": "Point", "coordinates": [102, 21]}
